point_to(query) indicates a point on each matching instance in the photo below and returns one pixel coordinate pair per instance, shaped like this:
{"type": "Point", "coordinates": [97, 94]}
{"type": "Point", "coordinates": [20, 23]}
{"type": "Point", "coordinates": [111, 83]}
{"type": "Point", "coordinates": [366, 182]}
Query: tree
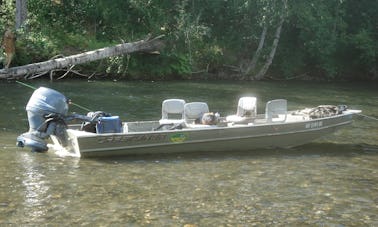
{"type": "Point", "coordinates": [261, 74]}
{"type": "Point", "coordinates": [287, 38]}
{"type": "Point", "coordinates": [269, 10]}
{"type": "Point", "coordinates": [21, 13]}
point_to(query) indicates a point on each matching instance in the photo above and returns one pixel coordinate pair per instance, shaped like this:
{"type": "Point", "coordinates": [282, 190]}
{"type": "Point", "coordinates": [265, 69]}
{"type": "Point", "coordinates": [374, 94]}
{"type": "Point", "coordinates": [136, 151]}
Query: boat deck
{"type": "Point", "coordinates": [149, 126]}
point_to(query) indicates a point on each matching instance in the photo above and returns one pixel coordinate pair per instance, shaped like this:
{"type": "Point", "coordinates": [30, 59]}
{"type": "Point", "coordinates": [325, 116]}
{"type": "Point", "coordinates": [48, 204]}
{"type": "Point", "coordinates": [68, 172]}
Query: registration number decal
{"type": "Point", "coordinates": [316, 124]}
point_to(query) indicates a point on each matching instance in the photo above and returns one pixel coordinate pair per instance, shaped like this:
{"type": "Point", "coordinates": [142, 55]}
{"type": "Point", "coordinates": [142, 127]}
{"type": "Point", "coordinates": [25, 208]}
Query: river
{"type": "Point", "coordinates": [330, 182]}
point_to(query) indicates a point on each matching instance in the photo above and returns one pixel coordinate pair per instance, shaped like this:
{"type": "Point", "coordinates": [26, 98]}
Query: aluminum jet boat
{"type": "Point", "coordinates": [183, 127]}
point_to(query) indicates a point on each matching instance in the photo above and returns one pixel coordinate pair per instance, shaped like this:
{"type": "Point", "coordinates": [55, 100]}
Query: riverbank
{"type": "Point", "coordinates": [203, 76]}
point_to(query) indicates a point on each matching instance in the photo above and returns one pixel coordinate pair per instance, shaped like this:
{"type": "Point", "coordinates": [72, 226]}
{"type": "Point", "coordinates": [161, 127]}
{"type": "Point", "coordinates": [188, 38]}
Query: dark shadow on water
{"type": "Point", "coordinates": [311, 149]}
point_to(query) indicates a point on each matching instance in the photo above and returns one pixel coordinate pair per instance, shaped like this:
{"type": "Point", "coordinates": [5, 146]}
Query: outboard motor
{"type": "Point", "coordinates": [46, 111]}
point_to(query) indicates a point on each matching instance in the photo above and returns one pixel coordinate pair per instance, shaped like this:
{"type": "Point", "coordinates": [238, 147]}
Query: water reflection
{"type": "Point", "coordinates": [316, 184]}
{"type": "Point", "coordinates": [35, 187]}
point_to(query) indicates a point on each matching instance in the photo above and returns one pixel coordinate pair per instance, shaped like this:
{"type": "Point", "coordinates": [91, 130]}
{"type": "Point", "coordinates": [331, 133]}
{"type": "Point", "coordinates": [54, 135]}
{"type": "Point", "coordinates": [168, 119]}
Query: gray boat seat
{"type": "Point", "coordinates": [276, 110]}
{"type": "Point", "coordinates": [172, 111]}
{"type": "Point", "coordinates": [194, 111]}
{"type": "Point", "coordinates": [245, 112]}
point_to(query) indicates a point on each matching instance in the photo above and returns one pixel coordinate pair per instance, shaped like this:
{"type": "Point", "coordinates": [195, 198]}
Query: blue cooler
{"type": "Point", "coordinates": [109, 125]}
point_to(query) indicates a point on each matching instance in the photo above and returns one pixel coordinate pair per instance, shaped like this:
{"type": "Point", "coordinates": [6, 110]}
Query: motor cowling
{"type": "Point", "coordinates": [46, 111]}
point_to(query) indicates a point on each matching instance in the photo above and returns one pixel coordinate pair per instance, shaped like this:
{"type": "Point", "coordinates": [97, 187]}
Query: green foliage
{"type": "Point", "coordinates": [6, 14]}
{"type": "Point", "coordinates": [365, 44]}
{"type": "Point", "coordinates": [146, 66]}
{"type": "Point", "coordinates": [322, 39]}
{"type": "Point", "coordinates": [328, 39]}
{"type": "Point", "coordinates": [34, 47]}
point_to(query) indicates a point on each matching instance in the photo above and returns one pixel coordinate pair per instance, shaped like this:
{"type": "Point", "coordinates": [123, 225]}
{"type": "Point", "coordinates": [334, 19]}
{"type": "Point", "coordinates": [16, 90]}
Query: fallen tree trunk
{"type": "Point", "coordinates": [149, 45]}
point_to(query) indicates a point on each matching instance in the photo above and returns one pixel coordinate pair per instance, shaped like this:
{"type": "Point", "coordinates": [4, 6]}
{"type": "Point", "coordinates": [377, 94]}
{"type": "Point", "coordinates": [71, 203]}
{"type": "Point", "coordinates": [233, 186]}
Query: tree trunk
{"type": "Point", "coordinates": [149, 45]}
{"type": "Point", "coordinates": [252, 65]}
{"type": "Point", "coordinates": [21, 12]}
{"type": "Point", "coordinates": [260, 75]}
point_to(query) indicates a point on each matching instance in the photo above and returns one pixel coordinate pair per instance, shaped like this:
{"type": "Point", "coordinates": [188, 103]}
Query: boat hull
{"type": "Point", "coordinates": [207, 139]}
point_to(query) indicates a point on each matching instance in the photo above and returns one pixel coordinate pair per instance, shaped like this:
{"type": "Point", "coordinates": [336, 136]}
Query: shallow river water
{"type": "Point", "coordinates": [330, 182]}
